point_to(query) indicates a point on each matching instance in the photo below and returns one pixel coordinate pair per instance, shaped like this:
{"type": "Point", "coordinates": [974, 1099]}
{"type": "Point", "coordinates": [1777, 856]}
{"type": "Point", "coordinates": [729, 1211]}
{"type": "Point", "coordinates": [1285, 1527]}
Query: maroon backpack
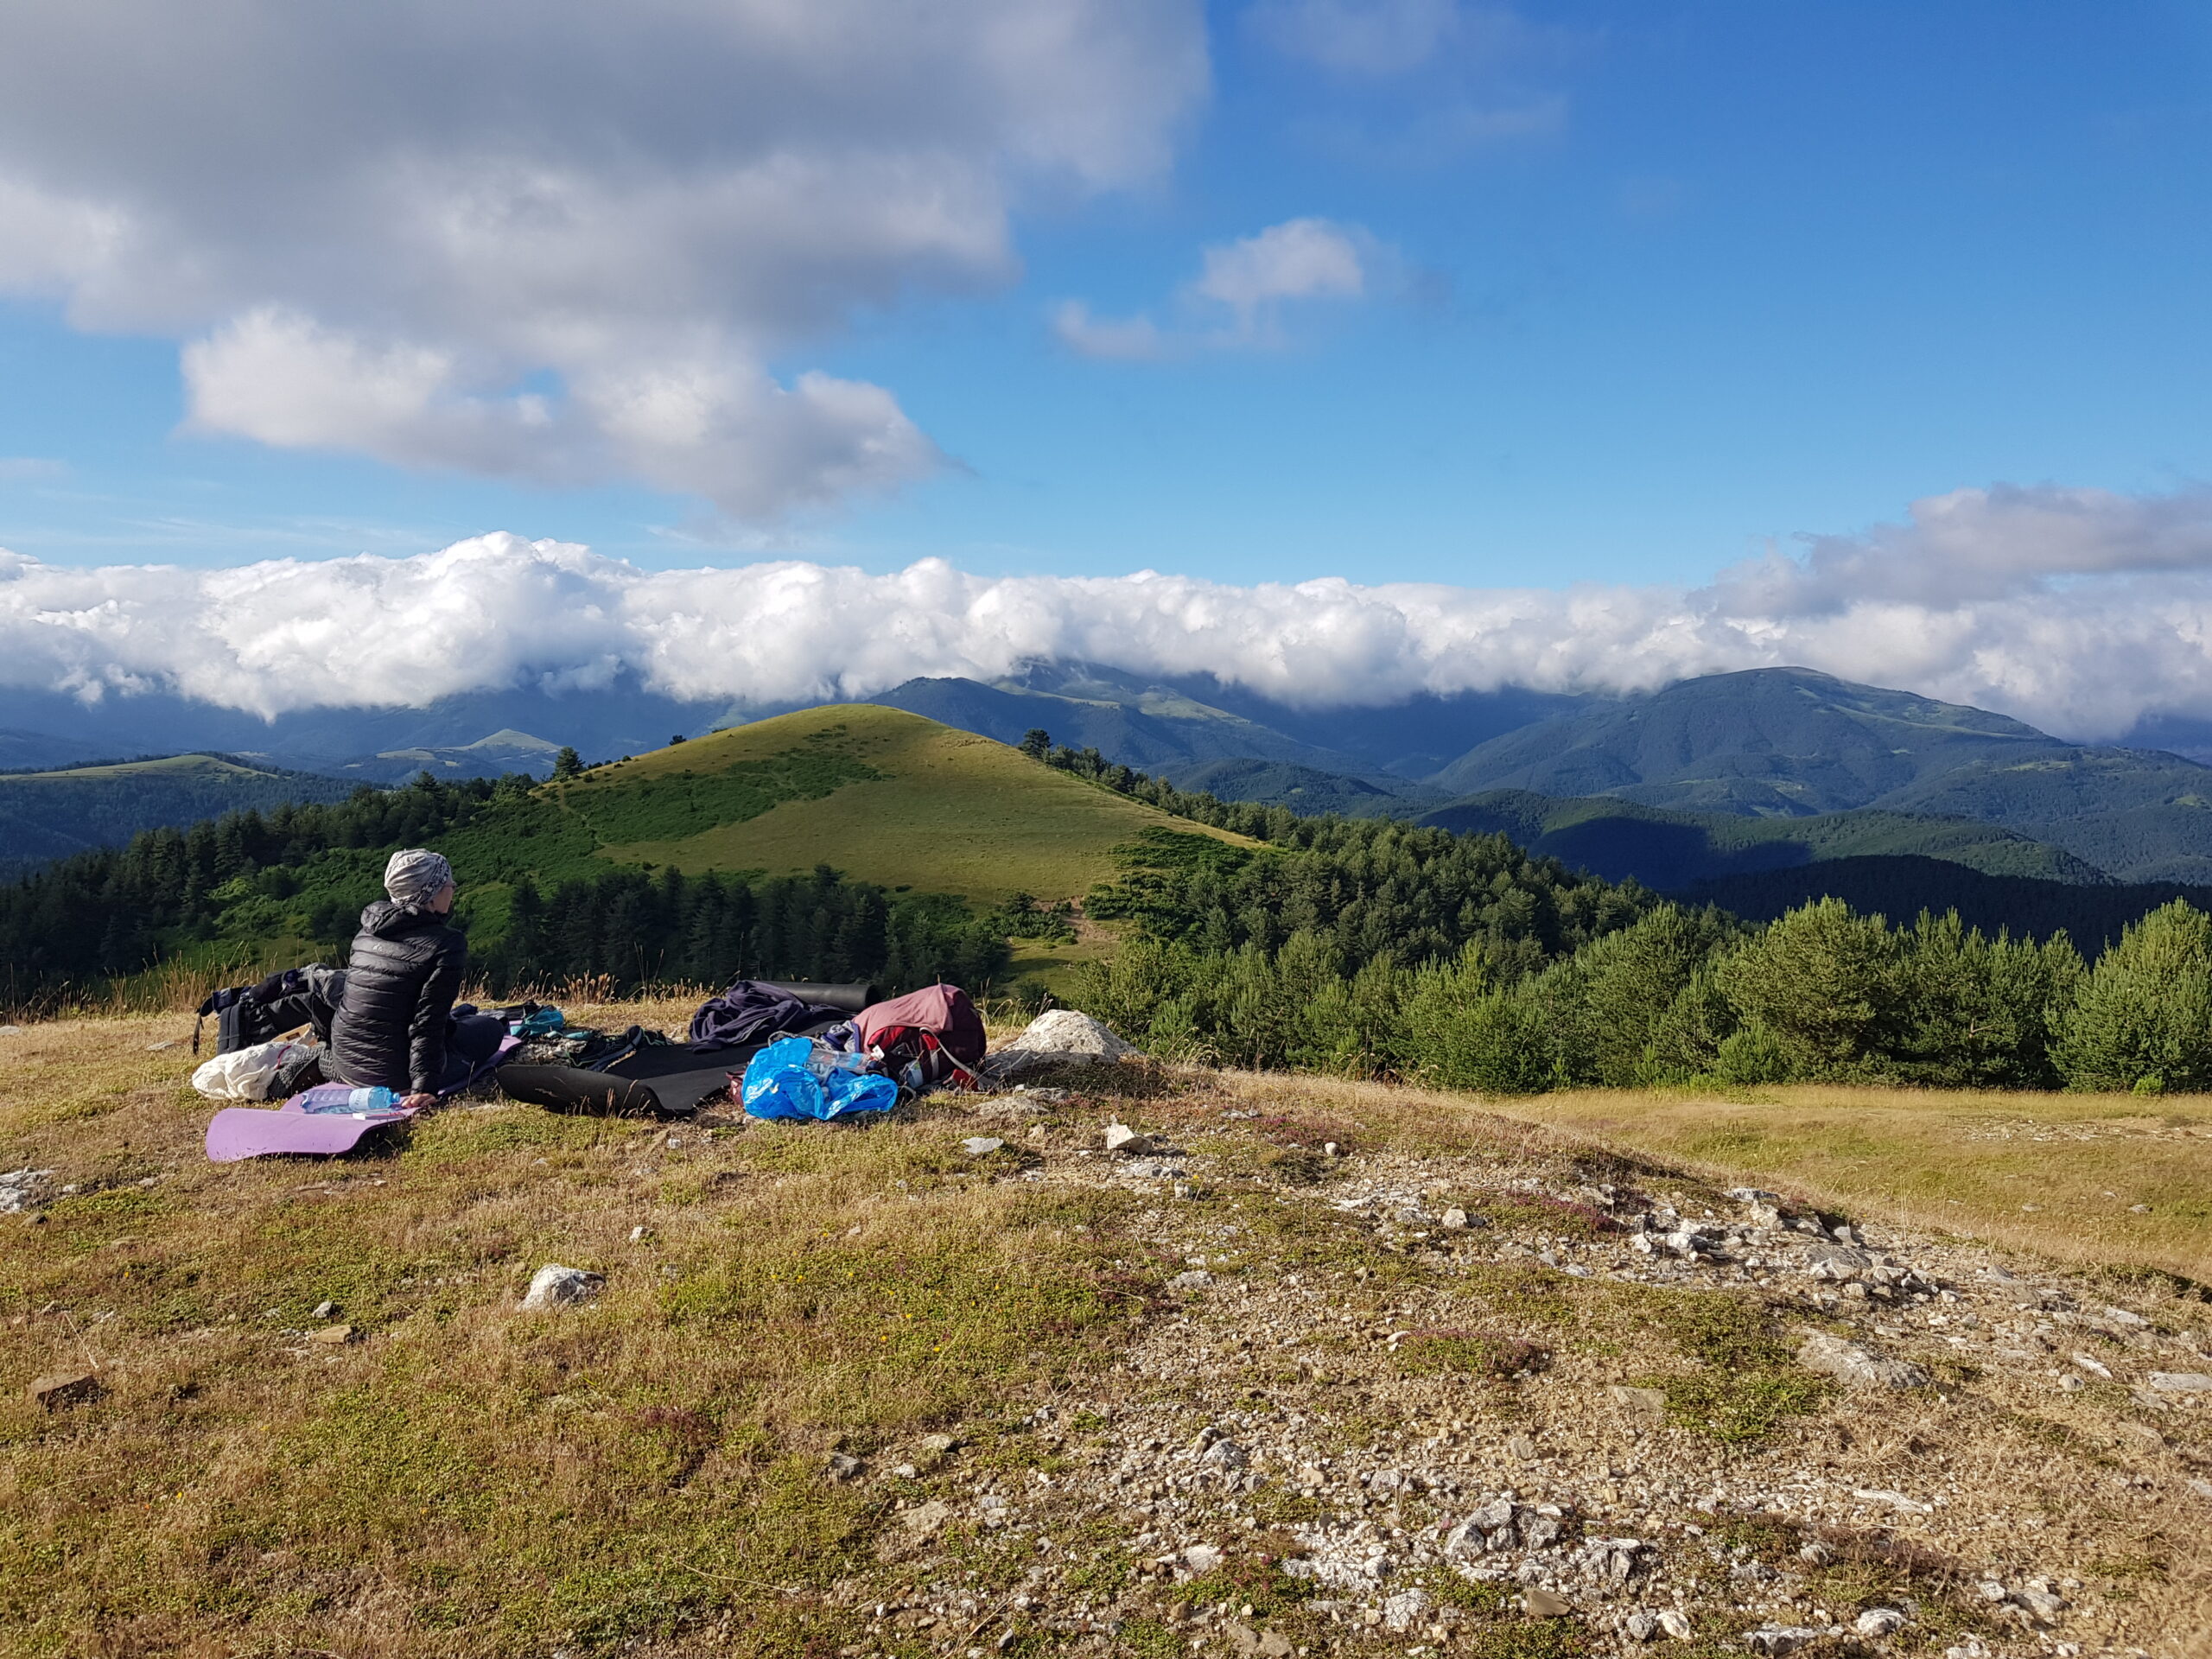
{"type": "Point", "coordinates": [931, 1036]}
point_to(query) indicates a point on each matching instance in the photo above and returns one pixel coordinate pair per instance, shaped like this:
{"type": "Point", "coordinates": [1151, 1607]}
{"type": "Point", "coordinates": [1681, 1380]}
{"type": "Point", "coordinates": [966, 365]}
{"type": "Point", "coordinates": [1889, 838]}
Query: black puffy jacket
{"type": "Point", "coordinates": [401, 980]}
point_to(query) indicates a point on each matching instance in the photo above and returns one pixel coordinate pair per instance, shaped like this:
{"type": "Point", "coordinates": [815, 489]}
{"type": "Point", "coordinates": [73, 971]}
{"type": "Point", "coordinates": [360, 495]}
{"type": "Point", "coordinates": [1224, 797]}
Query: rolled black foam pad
{"type": "Point", "coordinates": [851, 998]}
{"type": "Point", "coordinates": [572, 1088]}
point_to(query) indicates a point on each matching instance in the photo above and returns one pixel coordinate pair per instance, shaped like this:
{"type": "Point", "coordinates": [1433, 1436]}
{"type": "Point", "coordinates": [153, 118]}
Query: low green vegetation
{"type": "Point", "coordinates": [1675, 996]}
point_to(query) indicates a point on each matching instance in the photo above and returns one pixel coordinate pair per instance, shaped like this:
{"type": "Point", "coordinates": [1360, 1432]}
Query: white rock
{"type": "Point", "coordinates": [1226, 1455]}
{"type": "Point", "coordinates": [2182, 1382]}
{"type": "Point", "coordinates": [1754, 1195]}
{"type": "Point", "coordinates": [981, 1146]}
{"type": "Point", "coordinates": [2126, 1320]}
{"type": "Point", "coordinates": [1455, 1220]}
{"type": "Point", "coordinates": [923, 1520]}
{"type": "Point", "coordinates": [11, 1031]}
{"type": "Point", "coordinates": [1781, 1638]}
{"type": "Point", "coordinates": [2044, 1603]}
{"type": "Point", "coordinates": [1201, 1558]}
{"type": "Point", "coordinates": [1858, 1367]}
{"type": "Point", "coordinates": [1400, 1611]}
{"type": "Point", "coordinates": [1196, 1279]}
{"type": "Point", "coordinates": [1675, 1626]}
{"type": "Point", "coordinates": [1836, 1263]}
{"type": "Point", "coordinates": [1879, 1622]}
{"type": "Point", "coordinates": [1641, 1626]}
{"type": "Point", "coordinates": [1120, 1138]}
{"type": "Point", "coordinates": [1894, 1500]}
{"type": "Point", "coordinates": [1058, 1037]}
{"type": "Point", "coordinates": [324, 1311]}
{"type": "Point", "coordinates": [554, 1286]}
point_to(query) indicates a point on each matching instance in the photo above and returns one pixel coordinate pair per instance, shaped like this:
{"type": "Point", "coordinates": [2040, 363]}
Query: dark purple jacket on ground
{"type": "Point", "coordinates": [747, 1011]}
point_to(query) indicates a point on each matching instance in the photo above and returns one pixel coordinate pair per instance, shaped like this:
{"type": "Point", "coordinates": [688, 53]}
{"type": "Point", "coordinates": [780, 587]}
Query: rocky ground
{"type": "Point", "coordinates": [1382, 1374]}
{"type": "Point", "coordinates": [1509, 1397]}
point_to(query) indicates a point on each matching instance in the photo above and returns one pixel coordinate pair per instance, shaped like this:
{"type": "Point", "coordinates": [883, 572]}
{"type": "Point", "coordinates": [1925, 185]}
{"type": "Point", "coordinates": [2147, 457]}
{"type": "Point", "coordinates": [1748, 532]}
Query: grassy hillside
{"type": "Point", "coordinates": [46, 815]}
{"type": "Point", "coordinates": [862, 1391]}
{"type": "Point", "coordinates": [883, 795]}
{"type": "Point", "coordinates": [1667, 849]}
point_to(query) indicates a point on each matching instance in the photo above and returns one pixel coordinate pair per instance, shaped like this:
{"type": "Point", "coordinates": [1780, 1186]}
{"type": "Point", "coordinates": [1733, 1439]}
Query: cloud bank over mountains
{"type": "Point", "coordinates": [558, 241]}
{"type": "Point", "coordinates": [2077, 610]}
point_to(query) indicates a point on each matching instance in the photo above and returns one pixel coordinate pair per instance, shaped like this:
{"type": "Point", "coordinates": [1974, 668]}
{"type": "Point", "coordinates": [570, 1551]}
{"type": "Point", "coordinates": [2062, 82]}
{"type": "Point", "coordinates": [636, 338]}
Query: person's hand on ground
{"type": "Point", "coordinates": [419, 1102]}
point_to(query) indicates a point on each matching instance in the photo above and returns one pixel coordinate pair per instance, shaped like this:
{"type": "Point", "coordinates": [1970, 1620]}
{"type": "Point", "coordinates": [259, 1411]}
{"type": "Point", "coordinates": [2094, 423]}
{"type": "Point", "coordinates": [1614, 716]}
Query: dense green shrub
{"type": "Point", "coordinates": [2143, 1017]}
{"type": "Point", "coordinates": [1826, 985]}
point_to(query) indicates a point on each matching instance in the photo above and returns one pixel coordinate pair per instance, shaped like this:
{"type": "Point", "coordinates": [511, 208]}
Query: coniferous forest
{"type": "Point", "coordinates": [1359, 946]}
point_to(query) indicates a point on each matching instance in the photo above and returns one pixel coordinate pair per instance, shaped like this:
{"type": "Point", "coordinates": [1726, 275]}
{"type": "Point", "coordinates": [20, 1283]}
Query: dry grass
{"type": "Point", "coordinates": [2058, 1174]}
{"type": "Point", "coordinates": [461, 1478]}
{"type": "Point", "coordinates": [647, 1473]}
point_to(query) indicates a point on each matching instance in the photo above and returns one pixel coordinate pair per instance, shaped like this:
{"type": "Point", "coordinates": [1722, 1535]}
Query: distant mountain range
{"type": "Point", "coordinates": [49, 814]}
{"type": "Point", "coordinates": [1728, 775]}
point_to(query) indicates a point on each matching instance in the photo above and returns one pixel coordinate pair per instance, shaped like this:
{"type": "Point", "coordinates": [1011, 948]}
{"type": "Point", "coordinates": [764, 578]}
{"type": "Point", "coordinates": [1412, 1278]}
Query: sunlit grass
{"type": "Point", "coordinates": [2061, 1174]}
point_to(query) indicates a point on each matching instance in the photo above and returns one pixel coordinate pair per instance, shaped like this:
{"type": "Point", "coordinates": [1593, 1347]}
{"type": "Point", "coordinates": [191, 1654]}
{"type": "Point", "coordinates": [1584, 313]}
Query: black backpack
{"type": "Point", "coordinates": [247, 1015]}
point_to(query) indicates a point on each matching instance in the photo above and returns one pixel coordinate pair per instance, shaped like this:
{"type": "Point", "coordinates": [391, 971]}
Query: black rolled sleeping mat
{"type": "Point", "coordinates": [851, 998]}
{"type": "Point", "coordinates": [663, 1093]}
{"type": "Point", "coordinates": [590, 1094]}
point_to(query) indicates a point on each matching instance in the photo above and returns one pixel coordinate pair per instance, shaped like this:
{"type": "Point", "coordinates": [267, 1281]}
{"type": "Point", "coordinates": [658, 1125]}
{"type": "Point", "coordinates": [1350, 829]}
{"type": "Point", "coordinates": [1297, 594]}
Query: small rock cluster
{"type": "Point", "coordinates": [19, 1189]}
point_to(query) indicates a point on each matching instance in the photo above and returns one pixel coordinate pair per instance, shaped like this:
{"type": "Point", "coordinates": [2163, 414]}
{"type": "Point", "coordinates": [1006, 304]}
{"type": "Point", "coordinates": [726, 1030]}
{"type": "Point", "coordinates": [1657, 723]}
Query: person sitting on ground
{"type": "Point", "coordinates": [405, 969]}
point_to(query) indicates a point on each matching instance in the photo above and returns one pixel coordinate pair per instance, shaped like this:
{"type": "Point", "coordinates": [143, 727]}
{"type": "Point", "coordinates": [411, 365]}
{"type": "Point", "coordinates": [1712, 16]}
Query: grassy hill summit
{"type": "Point", "coordinates": [883, 795]}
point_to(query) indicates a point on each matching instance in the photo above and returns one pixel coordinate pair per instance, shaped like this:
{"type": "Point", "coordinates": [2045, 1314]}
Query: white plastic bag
{"type": "Point", "coordinates": [245, 1073]}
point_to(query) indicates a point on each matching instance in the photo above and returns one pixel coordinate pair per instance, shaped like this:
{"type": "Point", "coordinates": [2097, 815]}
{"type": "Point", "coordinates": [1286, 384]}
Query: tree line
{"type": "Point", "coordinates": [1695, 997]}
{"type": "Point", "coordinates": [1366, 948]}
{"type": "Point", "coordinates": [304, 872]}
{"type": "Point", "coordinates": [636, 930]}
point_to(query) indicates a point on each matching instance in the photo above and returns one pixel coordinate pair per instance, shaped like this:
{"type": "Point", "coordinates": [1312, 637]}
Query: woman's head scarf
{"type": "Point", "coordinates": [414, 877]}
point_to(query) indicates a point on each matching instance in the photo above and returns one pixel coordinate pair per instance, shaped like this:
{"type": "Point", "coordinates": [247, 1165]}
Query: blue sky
{"type": "Point", "coordinates": [1648, 282]}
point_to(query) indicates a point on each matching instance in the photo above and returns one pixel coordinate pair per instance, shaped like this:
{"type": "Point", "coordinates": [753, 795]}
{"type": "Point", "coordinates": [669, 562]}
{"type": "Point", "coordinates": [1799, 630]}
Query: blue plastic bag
{"type": "Point", "coordinates": [800, 1078]}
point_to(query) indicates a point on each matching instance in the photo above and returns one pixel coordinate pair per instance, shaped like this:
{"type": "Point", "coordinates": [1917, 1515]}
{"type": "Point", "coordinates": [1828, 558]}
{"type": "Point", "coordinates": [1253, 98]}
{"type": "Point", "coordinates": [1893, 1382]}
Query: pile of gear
{"type": "Point", "coordinates": [784, 1050]}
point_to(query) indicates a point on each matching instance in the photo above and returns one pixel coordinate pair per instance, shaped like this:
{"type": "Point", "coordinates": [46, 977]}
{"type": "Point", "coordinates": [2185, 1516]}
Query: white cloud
{"type": "Point", "coordinates": [2078, 610]}
{"type": "Point", "coordinates": [1298, 259]}
{"type": "Point", "coordinates": [25, 469]}
{"type": "Point", "coordinates": [558, 240]}
{"type": "Point", "coordinates": [1237, 298]}
{"type": "Point", "coordinates": [1374, 37]}
{"type": "Point", "coordinates": [1130, 339]}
